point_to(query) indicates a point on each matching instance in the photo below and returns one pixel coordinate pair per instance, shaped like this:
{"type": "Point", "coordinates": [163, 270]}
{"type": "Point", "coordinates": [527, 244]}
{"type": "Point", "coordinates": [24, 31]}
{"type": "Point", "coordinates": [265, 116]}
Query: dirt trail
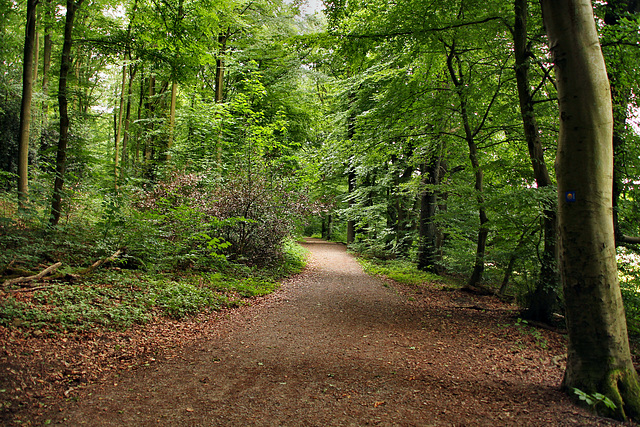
{"type": "Point", "coordinates": [336, 347]}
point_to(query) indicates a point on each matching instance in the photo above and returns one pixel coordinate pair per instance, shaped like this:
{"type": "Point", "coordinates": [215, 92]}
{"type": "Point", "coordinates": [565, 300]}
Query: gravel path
{"type": "Point", "coordinates": [337, 347]}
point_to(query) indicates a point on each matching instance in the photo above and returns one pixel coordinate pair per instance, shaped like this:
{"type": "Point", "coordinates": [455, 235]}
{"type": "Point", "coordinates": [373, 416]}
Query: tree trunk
{"type": "Point", "coordinates": [219, 88]}
{"type": "Point", "coordinates": [351, 175]}
{"type": "Point", "coordinates": [63, 104]}
{"type": "Point", "coordinates": [483, 231]}
{"type": "Point", "coordinates": [428, 232]}
{"type": "Point", "coordinates": [172, 118]}
{"type": "Point", "coordinates": [598, 358]}
{"type": "Point", "coordinates": [116, 154]}
{"type": "Point", "coordinates": [127, 118]}
{"type": "Point", "coordinates": [25, 108]}
{"type": "Point", "coordinates": [46, 60]}
{"type": "Point", "coordinates": [544, 298]}
{"type": "Point", "coordinates": [351, 224]}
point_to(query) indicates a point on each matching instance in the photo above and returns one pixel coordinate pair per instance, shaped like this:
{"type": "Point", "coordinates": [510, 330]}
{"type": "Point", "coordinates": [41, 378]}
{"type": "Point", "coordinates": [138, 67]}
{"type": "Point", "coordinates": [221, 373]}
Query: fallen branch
{"type": "Point", "coordinates": [38, 276]}
{"type": "Point", "coordinates": [100, 262]}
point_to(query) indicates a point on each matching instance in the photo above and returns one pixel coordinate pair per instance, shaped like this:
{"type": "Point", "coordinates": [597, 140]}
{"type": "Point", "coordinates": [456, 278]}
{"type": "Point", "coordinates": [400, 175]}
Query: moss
{"type": "Point", "coordinates": [623, 388]}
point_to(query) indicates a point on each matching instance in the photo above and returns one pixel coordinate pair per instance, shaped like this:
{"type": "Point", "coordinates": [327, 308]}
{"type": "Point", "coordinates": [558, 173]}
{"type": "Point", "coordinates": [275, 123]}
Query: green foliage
{"type": "Point", "coordinates": [180, 299]}
{"type": "Point", "coordinates": [398, 270]}
{"type": "Point", "coordinates": [118, 299]}
{"type": "Point", "coordinates": [629, 275]}
{"type": "Point", "coordinates": [594, 400]}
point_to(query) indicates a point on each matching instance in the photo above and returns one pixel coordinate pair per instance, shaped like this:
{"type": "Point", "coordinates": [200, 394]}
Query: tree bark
{"type": "Point", "coordinates": [598, 358]}
{"type": "Point", "coordinates": [219, 88]}
{"type": "Point", "coordinates": [63, 105]}
{"type": "Point", "coordinates": [351, 224]}
{"type": "Point", "coordinates": [46, 60]}
{"type": "Point", "coordinates": [483, 231]}
{"type": "Point", "coordinates": [544, 299]}
{"type": "Point", "coordinates": [172, 118]}
{"type": "Point", "coordinates": [25, 108]}
{"type": "Point", "coordinates": [428, 232]}
{"type": "Point", "coordinates": [116, 155]}
{"type": "Point", "coordinates": [127, 118]}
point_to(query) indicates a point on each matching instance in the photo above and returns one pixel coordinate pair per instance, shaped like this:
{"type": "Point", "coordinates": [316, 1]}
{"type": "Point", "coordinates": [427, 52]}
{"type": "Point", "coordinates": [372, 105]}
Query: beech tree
{"type": "Point", "coordinates": [63, 105]}
{"type": "Point", "coordinates": [25, 110]}
{"type": "Point", "coordinates": [598, 358]}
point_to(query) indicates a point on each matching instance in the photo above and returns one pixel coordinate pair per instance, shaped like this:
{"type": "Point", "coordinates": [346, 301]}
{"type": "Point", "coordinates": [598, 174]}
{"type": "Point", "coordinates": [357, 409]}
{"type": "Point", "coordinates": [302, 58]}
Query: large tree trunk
{"type": "Point", "coordinates": [544, 298]}
{"type": "Point", "coordinates": [599, 359]}
{"type": "Point", "coordinates": [63, 104]}
{"type": "Point", "coordinates": [25, 108]}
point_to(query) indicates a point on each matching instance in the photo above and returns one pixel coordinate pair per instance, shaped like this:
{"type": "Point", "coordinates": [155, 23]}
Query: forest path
{"type": "Point", "coordinates": [335, 346]}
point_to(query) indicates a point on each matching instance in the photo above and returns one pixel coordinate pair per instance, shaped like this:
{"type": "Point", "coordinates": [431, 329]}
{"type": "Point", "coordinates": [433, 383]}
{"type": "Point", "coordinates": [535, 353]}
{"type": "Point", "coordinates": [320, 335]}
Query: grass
{"type": "Point", "coordinates": [401, 271]}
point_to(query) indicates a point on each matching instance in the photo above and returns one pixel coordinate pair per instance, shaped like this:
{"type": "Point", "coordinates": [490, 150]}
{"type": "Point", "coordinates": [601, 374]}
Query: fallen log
{"type": "Point", "coordinates": [35, 277]}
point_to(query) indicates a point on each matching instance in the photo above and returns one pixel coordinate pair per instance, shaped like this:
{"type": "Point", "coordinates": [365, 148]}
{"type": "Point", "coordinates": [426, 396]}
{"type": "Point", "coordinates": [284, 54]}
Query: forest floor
{"type": "Point", "coordinates": [333, 346]}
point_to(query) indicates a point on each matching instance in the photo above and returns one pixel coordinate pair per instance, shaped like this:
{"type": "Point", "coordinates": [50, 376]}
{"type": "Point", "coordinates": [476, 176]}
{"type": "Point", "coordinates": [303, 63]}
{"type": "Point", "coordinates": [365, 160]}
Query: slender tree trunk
{"type": "Point", "coordinates": [222, 48]}
{"type": "Point", "coordinates": [351, 175]}
{"type": "Point", "coordinates": [172, 118]}
{"type": "Point", "coordinates": [46, 60]}
{"type": "Point", "coordinates": [127, 119]}
{"type": "Point", "coordinates": [118, 132]}
{"type": "Point", "coordinates": [63, 104]}
{"type": "Point", "coordinates": [25, 108]}
{"type": "Point", "coordinates": [219, 88]}
{"type": "Point", "coordinates": [544, 299]}
{"type": "Point", "coordinates": [598, 357]}
{"type": "Point", "coordinates": [36, 55]}
{"type": "Point", "coordinates": [148, 146]}
{"type": "Point", "coordinates": [428, 232]}
{"type": "Point", "coordinates": [483, 231]}
{"type": "Point", "coordinates": [351, 224]}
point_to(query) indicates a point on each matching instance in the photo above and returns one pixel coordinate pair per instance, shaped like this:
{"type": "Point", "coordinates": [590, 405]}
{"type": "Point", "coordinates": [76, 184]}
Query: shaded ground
{"type": "Point", "coordinates": [332, 347]}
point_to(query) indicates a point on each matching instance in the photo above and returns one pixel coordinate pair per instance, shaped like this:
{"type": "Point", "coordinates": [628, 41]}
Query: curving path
{"type": "Point", "coordinates": [337, 347]}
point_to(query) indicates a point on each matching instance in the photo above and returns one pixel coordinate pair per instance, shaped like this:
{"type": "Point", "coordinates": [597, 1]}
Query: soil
{"type": "Point", "coordinates": [332, 346]}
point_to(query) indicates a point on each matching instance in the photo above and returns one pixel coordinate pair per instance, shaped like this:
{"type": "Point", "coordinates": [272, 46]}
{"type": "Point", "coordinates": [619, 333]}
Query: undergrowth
{"type": "Point", "coordinates": [115, 298]}
{"type": "Point", "coordinates": [401, 271]}
{"type": "Point", "coordinates": [629, 274]}
{"type": "Point", "coordinates": [181, 247]}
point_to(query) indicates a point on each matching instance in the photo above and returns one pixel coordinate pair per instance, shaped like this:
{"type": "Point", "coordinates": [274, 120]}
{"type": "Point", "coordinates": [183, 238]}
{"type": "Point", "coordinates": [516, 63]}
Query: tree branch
{"type": "Point", "coordinates": [35, 277]}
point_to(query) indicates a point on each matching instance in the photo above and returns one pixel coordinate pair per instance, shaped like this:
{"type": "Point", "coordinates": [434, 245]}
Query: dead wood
{"type": "Point", "coordinates": [33, 278]}
{"type": "Point", "coordinates": [98, 263]}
